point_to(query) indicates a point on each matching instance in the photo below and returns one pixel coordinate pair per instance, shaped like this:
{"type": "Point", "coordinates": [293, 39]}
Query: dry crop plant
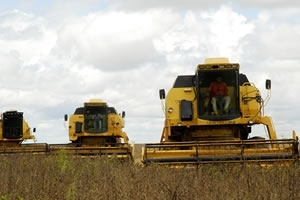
{"type": "Point", "coordinates": [66, 177]}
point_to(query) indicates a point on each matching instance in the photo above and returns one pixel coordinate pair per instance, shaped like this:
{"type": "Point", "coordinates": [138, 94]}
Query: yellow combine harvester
{"type": "Point", "coordinates": [94, 130]}
{"type": "Point", "coordinates": [13, 131]}
{"type": "Point", "coordinates": [202, 126]}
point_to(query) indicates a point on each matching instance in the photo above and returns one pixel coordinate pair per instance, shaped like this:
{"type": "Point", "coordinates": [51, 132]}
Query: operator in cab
{"type": "Point", "coordinates": [218, 93]}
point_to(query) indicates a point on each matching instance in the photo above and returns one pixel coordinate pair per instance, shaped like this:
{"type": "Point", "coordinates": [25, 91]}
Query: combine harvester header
{"type": "Point", "coordinates": [209, 118]}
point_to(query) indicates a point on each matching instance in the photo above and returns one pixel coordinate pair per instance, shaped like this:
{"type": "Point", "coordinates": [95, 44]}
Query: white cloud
{"type": "Point", "coordinates": [196, 4]}
{"type": "Point", "coordinates": [113, 40]}
{"type": "Point", "coordinates": [197, 36]}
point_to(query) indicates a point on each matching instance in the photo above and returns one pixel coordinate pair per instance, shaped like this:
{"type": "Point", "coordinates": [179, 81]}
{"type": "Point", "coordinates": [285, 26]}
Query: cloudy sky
{"type": "Point", "coordinates": [55, 55]}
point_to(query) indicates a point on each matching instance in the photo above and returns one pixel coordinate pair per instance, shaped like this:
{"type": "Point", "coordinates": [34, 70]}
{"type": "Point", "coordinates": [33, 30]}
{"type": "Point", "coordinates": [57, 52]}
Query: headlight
{"type": "Point", "coordinates": [170, 110]}
{"type": "Point", "coordinates": [251, 121]}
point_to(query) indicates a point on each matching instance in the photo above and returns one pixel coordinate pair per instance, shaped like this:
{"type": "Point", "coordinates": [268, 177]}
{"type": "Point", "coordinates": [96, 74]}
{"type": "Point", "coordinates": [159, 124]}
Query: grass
{"type": "Point", "coordinates": [65, 177]}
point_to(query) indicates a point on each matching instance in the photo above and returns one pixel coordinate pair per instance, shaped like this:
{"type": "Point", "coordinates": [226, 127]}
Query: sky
{"type": "Point", "coordinates": [56, 55]}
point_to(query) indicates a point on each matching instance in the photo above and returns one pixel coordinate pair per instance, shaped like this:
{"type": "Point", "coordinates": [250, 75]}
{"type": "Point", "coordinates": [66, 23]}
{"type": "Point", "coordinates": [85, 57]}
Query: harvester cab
{"type": "Point", "coordinates": [209, 117]}
{"type": "Point", "coordinates": [97, 128]}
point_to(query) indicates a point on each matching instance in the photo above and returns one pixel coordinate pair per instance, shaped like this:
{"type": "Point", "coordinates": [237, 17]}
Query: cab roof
{"type": "Point", "coordinates": [95, 102]}
{"type": "Point", "coordinates": [216, 60]}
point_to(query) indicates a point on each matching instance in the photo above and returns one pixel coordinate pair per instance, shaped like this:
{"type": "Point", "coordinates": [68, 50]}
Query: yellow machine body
{"type": "Point", "coordinates": [193, 134]}
{"type": "Point", "coordinates": [13, 128]}
{"type": "Point", "coordinates": [97, 128]}
{"type": "Point", "coordinates": [13, 131]}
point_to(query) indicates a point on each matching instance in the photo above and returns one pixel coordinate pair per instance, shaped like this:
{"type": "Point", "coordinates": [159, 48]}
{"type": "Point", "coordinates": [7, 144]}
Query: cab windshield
{"type": "Point", "coordinates": [218, 94]}
{"type": "Point", "coordinates": [95, 119]}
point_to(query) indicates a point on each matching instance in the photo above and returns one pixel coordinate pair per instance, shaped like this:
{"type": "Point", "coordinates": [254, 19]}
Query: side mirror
{"type": "Point", "coordinates": [268, 84]}
{"type": "Point", "coordinates": [123, 114]}
{"type": "Point", "coordinates": [34, 130]}
{"type": "Point", "coordinates": [162, 94]}
{"type": "Point", "coordinates": [66, 117]}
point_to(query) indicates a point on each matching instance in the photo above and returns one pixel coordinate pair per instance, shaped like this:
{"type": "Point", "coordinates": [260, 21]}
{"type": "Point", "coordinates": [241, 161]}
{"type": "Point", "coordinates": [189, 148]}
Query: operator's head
{"type": "Point", "coordinates": [219, 78]}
